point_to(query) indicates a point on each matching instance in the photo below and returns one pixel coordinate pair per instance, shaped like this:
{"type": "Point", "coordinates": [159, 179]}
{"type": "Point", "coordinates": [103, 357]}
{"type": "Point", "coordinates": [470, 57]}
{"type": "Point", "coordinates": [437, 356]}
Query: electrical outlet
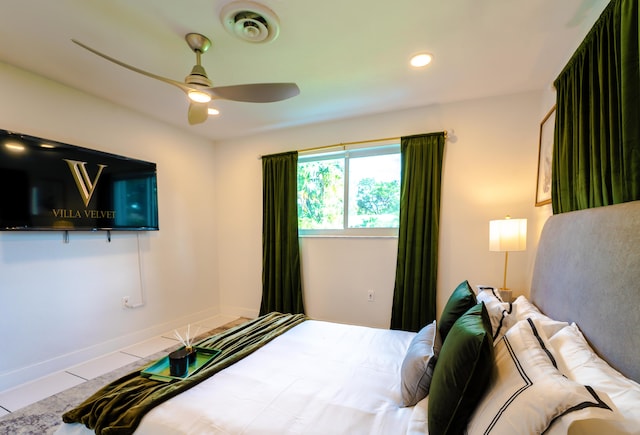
{"type": "Point", "coordinates": [371, 296]}
{"type": "Point", "coordinates": [125, 302]}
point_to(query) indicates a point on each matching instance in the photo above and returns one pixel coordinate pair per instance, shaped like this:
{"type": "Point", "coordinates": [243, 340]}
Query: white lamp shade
{"type": "Point", "coordinates": [508, 235]}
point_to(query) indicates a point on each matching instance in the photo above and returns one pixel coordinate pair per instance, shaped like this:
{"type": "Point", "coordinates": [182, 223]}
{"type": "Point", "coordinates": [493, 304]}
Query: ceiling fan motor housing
{"type": "Point", "coordinates": [250, 21]}
{"type": "Point", "coordinates": [198, 76]}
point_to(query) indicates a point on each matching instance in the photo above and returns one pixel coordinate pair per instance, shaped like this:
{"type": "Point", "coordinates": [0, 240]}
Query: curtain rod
{"type": "Point", "coordinates": [344, 144]}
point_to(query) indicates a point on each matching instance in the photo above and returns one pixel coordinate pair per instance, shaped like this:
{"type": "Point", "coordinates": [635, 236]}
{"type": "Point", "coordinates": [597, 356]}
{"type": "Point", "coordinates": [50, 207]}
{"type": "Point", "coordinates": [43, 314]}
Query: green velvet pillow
{"type": "Point", "coordinates": [459, 302]}
{"type": "Point", "coordinates": [462, 372]}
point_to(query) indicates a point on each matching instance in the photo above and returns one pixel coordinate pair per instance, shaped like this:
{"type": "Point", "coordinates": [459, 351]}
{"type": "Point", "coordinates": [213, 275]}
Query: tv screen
{"type": "Point", "coordinates": [48, 185]}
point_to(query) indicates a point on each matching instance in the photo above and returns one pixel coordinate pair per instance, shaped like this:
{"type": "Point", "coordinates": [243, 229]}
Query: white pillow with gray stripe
{"type": "Point", "coordinates": [527, 392]}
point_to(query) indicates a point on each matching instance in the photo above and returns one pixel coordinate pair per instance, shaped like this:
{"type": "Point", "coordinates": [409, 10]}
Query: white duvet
{"type": "Point", "coordinates": [317, 378]}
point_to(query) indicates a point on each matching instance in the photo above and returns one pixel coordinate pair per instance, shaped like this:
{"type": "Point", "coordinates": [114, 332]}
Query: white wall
{"type": "Point", "coordinates": [61, 303]}
{"type": "Point", "coordinates": [542, 213]}
{"type": "Point", "coordinates": [489, 171]}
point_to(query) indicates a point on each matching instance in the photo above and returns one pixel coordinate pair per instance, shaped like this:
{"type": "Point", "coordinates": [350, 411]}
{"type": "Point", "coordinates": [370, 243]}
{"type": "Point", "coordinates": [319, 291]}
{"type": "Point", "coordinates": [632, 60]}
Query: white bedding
{"type": "Point", "coordinates": [317, 378]}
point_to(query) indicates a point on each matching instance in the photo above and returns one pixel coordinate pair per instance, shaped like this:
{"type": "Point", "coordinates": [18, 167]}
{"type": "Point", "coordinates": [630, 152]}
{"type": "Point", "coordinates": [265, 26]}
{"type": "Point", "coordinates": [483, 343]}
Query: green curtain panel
{"type": "Point", "coordinates": [596, 155]}
{"type": "Point", "coordinates": [414, 297]}
{"type": "Point", "coordinates": [281, 281]}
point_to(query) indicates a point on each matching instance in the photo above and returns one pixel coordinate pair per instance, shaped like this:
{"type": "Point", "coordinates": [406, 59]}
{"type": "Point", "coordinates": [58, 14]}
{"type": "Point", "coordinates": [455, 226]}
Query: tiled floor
{"type": "Point", "coordinates": [26, 394]}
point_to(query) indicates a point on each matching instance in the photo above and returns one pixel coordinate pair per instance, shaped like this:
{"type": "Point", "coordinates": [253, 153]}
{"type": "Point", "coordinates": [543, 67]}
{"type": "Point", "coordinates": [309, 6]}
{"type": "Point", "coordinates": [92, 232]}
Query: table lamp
{"type": "Point", "coordinates": [507, 235]}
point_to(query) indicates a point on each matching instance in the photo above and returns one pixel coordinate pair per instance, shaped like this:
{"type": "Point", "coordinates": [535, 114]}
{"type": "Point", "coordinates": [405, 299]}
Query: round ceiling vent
{"type": "Point", "coordinates": [250, 21]}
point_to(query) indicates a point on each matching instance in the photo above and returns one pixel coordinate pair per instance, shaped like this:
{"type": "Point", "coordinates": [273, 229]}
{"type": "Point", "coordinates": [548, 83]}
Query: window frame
{"type": "Point", "coordinates": [366, 149]}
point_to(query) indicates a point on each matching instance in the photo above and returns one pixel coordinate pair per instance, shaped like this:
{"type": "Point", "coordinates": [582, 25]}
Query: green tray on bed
{"type": "Point", "coordinates": [159, 370]}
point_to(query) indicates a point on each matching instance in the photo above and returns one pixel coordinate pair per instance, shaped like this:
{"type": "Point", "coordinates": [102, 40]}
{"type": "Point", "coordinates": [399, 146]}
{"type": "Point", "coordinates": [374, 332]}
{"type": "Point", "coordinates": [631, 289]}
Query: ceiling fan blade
{"type": "Point", "coordinates": [180, 85]}
{"type": "Point", "coordinates": [197, 113]}
{"type": "Point", "coordinates": [257, 92]}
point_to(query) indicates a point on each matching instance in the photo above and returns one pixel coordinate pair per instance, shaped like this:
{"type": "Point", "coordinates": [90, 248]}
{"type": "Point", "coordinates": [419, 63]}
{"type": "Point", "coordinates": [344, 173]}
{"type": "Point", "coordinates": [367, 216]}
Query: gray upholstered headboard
{"type": "Point", "coordinates": [587, 271]}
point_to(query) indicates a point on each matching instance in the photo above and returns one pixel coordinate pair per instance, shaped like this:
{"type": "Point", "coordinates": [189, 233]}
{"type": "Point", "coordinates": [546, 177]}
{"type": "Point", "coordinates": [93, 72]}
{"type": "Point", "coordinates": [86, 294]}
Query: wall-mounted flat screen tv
{"type": "Point", "coordinates": [48, 185]}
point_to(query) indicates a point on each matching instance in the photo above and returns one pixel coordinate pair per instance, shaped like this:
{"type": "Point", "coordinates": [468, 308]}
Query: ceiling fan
{"type": "Point", "coordinates": [199, 88]}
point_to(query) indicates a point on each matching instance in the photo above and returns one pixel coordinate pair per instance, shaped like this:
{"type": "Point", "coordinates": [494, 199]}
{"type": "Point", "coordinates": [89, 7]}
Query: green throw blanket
{"type": "Point", "coordinates": [118, 407]}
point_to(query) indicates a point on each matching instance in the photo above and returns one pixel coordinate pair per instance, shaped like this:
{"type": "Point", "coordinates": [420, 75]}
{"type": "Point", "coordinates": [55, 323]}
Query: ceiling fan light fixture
{"type": "Point", "coordinates": [212, 111]}
{"type": "Point", "coordinates": [421, 60]}
{"type": "Point", "coordinates": [199, 96]}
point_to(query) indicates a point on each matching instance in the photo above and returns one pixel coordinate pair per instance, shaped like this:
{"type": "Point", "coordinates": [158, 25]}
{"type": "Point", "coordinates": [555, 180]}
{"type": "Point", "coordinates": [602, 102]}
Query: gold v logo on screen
{"type": "Point", "coordinates": [86, 186]}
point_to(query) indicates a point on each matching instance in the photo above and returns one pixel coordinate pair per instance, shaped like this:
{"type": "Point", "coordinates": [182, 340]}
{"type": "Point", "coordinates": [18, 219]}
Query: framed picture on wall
{"type": "Point", "coordinates": [545, 154]}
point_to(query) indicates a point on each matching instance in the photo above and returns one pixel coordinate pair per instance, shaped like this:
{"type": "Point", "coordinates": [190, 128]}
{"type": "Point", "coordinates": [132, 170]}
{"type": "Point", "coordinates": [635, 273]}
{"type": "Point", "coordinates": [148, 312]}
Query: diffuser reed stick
{"type": "Point", "coordinates": [187, 342]}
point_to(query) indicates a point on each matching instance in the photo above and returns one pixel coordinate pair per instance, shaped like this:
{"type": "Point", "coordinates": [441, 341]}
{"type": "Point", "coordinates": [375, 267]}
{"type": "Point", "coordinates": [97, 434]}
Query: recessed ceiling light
{"type": "Point", "coordinates": [213, 111]}
{"type": "Point", "coordinates": [421, 59]}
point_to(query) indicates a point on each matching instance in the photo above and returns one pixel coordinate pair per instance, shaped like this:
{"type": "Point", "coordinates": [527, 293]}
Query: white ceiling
{"type": "Point", "coordinates": [349, 57]}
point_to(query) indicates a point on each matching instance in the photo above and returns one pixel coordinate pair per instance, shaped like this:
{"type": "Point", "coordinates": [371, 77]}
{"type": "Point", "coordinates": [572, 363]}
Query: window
{"type": "Point", "coordinates": [350, 192]}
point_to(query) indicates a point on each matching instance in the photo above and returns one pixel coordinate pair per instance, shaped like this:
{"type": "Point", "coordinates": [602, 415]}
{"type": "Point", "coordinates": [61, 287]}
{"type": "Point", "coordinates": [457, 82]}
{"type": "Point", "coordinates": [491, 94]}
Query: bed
{"type": "Point", "coordinates": [566, 360]}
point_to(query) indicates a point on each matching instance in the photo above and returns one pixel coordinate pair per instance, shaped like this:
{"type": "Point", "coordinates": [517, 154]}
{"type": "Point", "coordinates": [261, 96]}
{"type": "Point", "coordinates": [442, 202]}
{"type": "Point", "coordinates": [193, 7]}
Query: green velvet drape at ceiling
{"type": "Point", "coordinates": [414, 298]}
{"type": "Point", "coordinates": [281, 278]}
{"type": "Point", "coordinates": [596, 156]}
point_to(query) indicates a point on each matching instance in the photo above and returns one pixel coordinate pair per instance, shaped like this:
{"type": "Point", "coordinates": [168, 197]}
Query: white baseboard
{"type": "Point", "coordinates": [210, 318]}
{"type": "Point", "coordinates": [240, 311]}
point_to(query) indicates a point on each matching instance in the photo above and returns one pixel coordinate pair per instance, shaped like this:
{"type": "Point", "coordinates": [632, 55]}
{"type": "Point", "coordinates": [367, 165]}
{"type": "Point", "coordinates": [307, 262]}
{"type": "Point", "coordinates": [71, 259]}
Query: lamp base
{"type": "Point", "coordinates": [505, 294]}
